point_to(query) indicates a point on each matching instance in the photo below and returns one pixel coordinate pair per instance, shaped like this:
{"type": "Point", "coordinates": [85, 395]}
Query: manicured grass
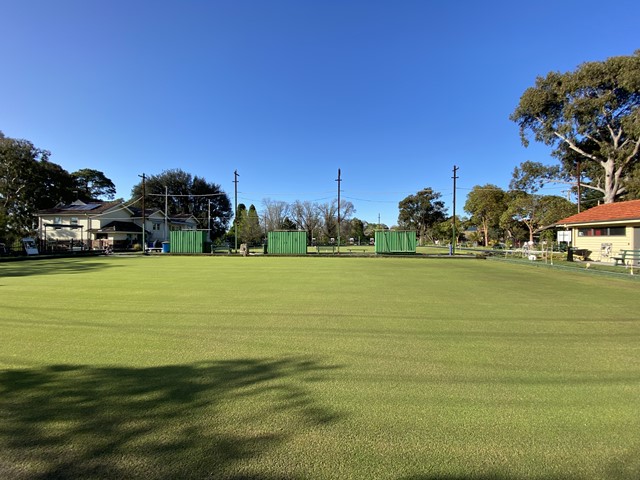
{"type": "Point", "coordinates": [316, 368]}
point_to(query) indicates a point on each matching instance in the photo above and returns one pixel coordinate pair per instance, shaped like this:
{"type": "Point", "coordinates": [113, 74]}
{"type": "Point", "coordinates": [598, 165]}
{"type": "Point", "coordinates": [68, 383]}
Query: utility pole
{"type": "Point", "coordinates": [166, 213]}
{"type": "Point", "coordinates": [209, 219]}
{"type": "Point", "coordinates": [338, 180]}
{"type": "Point", "coordinates": [144, 194]}
{"type": "Point", "coordinates": [454, 239]}
{"type": "Point", "coordinates": [579, 192]}
{"type": "Point", "coordinates": [266, 234]}
{"type": "Point", "coordinates": [235, 215]}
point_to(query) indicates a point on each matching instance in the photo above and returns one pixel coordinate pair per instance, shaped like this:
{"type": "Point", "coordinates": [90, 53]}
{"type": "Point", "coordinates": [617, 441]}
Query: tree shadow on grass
{"type": "Point", "coordinates": [51, 267]}
{"type": "Point", "coordinates": [185, 421]}
{"type": "Point", "coordinates": [471, 476]}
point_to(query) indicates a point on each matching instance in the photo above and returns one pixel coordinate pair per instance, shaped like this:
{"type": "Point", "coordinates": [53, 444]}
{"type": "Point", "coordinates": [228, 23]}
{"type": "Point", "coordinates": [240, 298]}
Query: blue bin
{"type": "Point", "coordinates": [166, 247]}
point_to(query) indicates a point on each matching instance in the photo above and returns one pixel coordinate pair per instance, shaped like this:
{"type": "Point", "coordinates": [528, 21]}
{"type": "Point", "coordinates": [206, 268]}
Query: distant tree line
{"type": "Point", "coordinates": [590, 118]}
{"type": "Point", "coordinates": [318, 220]}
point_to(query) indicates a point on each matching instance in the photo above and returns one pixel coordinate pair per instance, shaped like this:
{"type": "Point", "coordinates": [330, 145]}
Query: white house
{"type": "Point", "coordinates": [99, 224]}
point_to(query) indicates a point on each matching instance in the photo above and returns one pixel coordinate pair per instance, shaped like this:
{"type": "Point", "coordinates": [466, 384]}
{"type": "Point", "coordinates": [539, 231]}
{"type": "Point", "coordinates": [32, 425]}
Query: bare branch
{"type": "Point", "coordinates": [633, 154]}
{"type": "Point", "coordinates": [577, 149]}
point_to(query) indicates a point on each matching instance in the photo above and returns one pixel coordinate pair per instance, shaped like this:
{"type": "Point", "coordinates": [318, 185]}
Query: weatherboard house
{"type": "Point", "coordinates": [606, 229]}
{"type": "Point", "coordinates": [99, 224]}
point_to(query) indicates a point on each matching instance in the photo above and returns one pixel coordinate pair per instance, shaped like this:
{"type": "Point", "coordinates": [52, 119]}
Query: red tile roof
{"type": "Point", "coordinates": [608, 212]}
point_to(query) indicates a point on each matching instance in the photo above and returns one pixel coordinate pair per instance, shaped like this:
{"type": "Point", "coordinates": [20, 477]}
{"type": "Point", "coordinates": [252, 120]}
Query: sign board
{"type": "Point", "coordinates": [29, 246]}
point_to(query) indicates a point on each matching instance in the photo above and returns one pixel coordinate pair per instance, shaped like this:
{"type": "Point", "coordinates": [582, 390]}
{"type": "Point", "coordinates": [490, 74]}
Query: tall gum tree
{"type": "Point", "coordinates": [591, 115]}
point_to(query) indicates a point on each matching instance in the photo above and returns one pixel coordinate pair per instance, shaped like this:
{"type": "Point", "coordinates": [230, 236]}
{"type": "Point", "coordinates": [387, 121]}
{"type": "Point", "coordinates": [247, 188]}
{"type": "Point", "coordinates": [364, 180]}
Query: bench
{"type": "Point", "coordinates": [220, 249]}
{"type": "Point", "coordinates": [326, 248]}
{"type": "Point", "coordinates": [627, 256]}
{"type": "Point", "coordinates": [154, 249]}
{"type": "Point", "coordinates": [351, 250]}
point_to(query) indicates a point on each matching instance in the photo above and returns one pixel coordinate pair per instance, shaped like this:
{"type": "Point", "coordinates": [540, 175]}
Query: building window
{"type": "Point", "coordinates": [74, 220]}
{"type": "Point", "coordinates": [602, 232]}
{"type": "Point", "coordinates": [617, 231]}
{"type": "Point", "coordinates": [156, 226]}
{"type": "Point", "coordinates": [57, 220]}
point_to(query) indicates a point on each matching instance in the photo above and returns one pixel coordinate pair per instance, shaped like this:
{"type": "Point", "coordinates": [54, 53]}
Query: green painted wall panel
{"type": "Point", "coordinates": [395, 241]}
{"type": "Point", "coordinates": [188, 241]}
{"type": "Point", "coordinates": [287, 243]}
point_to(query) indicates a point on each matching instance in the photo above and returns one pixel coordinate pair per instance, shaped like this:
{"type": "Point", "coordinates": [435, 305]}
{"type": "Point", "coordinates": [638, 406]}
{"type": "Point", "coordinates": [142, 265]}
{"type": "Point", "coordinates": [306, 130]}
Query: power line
{"type": "Point", "coordinates": [367, 200]}
{"type": "Point", "coordinates": [186, 195]}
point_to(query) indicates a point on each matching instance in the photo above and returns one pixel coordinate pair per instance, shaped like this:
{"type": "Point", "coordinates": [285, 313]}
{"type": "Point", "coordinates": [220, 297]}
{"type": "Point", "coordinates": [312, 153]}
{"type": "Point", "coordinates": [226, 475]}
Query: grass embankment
{"type": "Point", "coordinates": [316, 368]}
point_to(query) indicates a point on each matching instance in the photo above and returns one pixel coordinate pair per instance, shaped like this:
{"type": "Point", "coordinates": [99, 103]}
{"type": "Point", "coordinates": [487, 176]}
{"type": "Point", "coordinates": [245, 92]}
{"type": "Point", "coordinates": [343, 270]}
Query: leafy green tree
{"type": "Point", "coordinates": [371, 227]}
{"type": "Point", "coordinates": [536, 211]}
{"type": "Point", "coordinates": [188, 194]}
{"type": "Point", "coordinates": [239, 222]}
{"type": "Point", "coordinates": [591, 115]}
{"type": "Point", "coordinates": [288, 224]}
{"type": "Point", "coordinates": [28, 182]}
{"type": "Point", "coordinates": [93, 185]}
{"type": "Point", "coordinates": [532, 176]}
{"type": "Point", "coordinates": [633, 184]}
{"type": "Point", "coordinates": [486, 204]}
{"type": "Point", "coordinates": [251, 232]}
{"type": "Point", "coordinates": [356, 228]}
{"type": "Point", "coordinates": [421, 211]}
{"type": "Point", "coordinates": [443, 231]}
{"type": "Point", "coordinates": [554, 208]}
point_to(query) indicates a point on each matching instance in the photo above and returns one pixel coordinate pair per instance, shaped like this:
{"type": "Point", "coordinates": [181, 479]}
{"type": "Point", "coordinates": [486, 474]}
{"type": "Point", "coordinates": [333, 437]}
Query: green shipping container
{"type": "Point", "coordinates": [188, 241]}
{"type": "Point", "coordinates": [287, 243]}
{"type": "Point", "coordinates": [395, 241]}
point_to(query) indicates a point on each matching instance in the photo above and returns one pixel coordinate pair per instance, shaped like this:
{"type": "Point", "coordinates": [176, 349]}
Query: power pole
{"type": "Point", "coordinates": [579, 192]}
{"type": "Point", "coordinates": [338, 180]}
{"type": "Point", "coordinates": [166, 213]}
{"type": "Point", "coordinates": [235, 215]}
{"type": "Point", "coordinates": [144, 194]}
{"type": "Point", "coordinates": [454, 239]}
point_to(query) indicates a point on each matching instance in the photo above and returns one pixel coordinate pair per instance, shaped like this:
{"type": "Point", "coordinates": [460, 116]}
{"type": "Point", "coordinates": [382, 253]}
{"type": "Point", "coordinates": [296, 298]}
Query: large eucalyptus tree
{"type": "Point", "coordinates": [591, 116]}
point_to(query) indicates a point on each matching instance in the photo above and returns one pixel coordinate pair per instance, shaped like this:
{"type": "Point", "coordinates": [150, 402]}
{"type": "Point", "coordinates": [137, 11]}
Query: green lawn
{"type": "Point", "coordinates": [316, 368]}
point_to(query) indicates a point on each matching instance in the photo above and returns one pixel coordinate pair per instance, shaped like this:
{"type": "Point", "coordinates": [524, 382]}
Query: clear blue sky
{"type": "Point", "coordinates": [394, 93]}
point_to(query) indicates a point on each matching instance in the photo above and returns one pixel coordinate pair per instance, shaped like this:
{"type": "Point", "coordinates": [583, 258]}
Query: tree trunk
{"type": "Point", "coordinates": [609, 181]}
{"type": "Point", "coordinates": [485, 227]}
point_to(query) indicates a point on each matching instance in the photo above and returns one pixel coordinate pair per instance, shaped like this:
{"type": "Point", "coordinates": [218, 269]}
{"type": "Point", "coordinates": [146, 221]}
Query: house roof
{"type": "Point", "coordinates": [120, 227]}
{"type": "Point", "coordinates": [80, 208]}
{"type": "Point", "coordinates": [183, 216]}
{"type": "Point", "coordinates": [609, 212]}
{"type": "Point", "coordinates": [179, 218]}
{"type": "Point", "coordinates": [137, 212]}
